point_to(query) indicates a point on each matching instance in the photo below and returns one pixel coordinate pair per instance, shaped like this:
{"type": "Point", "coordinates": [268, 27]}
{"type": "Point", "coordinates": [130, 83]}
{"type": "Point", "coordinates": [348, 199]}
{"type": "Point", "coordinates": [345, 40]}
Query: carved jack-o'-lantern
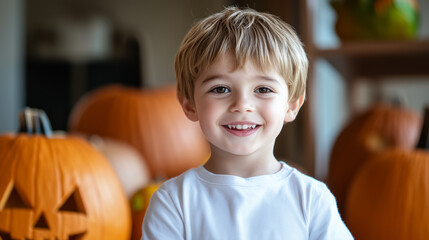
{"type": "Point", "coordinates": [58, 188]}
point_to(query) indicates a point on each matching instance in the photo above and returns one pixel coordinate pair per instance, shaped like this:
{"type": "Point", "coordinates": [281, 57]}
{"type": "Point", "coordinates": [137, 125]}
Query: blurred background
{"type": "Point", "coordinates": [53, 52]}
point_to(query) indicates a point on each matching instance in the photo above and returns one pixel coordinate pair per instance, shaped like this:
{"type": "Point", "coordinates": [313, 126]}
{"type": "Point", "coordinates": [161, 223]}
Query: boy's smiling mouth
{"type": "Point", "coordinates": [241, 129]}
{"type": "Point", "coordinates": [241, 126]}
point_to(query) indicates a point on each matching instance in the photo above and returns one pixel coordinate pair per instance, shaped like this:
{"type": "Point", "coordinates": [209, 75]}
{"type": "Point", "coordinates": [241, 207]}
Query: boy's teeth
{"type": "Point", "coordinates": [240, 127]}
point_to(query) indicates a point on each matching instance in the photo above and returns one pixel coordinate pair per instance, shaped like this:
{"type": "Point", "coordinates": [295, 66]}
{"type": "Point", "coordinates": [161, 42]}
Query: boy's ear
{"type": "Point", "coordinates": [294, 107]}
{"type": "Point", "coordinates": [188, 108]}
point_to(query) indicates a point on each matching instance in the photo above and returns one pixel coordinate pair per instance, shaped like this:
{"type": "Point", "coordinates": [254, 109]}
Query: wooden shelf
{"type": "Point", "coordinates": [377, 59]}
{"type": "Point", "coordinates": [355, 61]}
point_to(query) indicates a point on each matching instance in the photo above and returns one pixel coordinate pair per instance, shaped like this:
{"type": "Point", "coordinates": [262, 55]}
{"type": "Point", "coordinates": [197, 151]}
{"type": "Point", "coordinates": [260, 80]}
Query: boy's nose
{"type": "Point", "coordinates": [241, 103]}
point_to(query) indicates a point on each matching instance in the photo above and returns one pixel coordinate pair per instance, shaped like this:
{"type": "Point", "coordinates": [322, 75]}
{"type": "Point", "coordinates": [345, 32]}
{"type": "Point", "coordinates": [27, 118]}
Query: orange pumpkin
{"type": "Point", "coordinates": [152, 121]}
{"type": "Point", "coordinates": [368, 133]}
{"type": "Point", "coordinates": [389, 198]}
{"type": "Point", "coordinates": [58, 188]}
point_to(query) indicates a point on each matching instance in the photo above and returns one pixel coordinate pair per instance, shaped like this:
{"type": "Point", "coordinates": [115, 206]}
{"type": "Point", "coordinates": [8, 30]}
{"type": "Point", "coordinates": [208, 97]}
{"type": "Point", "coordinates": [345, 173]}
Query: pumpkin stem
{"type": "Point", "coordinates": [34, 121]}
{"type": "Point", "coordinates": [424, 135]}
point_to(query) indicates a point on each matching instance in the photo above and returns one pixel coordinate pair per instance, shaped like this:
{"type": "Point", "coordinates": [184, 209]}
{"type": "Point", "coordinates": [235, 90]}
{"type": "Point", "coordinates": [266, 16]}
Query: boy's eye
{"type": "Point", "coordinates": [220, 90]}
{"type": "Point", "coordinates": [263, 90]}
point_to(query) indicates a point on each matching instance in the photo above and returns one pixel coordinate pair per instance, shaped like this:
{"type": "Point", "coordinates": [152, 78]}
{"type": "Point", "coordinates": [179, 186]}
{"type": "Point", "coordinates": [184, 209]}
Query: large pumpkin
{"type": "Point", "coordinates": [389, 198]}
{"type": "Point", "coordinates": [152, 121]}
{"type": "Point", "coordinates": [379, 127]}
{"type": "Point", "coordinates": [58, 188]}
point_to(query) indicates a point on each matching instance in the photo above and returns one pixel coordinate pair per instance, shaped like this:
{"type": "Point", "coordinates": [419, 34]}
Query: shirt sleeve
{"type": "Point", "coordinates": [162, 219]}
{"type": "Point", "coordinates": [325, 220]}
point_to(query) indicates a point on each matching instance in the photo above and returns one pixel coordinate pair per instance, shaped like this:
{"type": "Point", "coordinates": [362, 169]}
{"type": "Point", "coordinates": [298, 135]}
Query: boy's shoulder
{"type": "Point", "coordinates": [172, 184]}
{"type": "Point", "coordinates": [303, 186]}
{"type": "Point", "coordinates": [307, 181]}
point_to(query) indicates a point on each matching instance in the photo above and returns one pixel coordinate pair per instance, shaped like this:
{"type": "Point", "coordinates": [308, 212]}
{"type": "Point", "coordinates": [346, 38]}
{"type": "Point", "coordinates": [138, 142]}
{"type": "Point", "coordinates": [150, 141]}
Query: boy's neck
{"type": "Point", "coordinates": [242, 166]}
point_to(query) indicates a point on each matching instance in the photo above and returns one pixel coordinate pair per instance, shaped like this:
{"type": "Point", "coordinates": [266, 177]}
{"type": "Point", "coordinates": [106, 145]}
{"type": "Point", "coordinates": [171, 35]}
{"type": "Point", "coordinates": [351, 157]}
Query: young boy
{"type": "Point", "coordinates": [242, 75]}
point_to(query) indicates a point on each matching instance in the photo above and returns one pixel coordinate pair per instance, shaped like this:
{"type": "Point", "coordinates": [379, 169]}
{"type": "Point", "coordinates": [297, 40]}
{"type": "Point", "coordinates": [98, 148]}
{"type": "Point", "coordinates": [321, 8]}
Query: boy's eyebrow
{"type": "Point", "coordinates": [211, 77]}
{"type": "Point", "coordinates": [270, 79]}
{"type": "Point", "coordinates": [216, 76]}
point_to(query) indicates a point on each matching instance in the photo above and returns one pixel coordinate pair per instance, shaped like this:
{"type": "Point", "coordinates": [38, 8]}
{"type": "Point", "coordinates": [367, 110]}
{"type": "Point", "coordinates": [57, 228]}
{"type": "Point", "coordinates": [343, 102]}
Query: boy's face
{"type": "Point", "coordinates": [241, 111]}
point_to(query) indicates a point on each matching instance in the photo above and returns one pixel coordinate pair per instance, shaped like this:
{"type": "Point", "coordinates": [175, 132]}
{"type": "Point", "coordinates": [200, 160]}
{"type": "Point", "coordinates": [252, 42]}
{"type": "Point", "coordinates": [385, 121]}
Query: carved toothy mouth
{"type": "Point", "coordinates": [73, 207]}
{"type": "Point", "coordinates": [6, 236]}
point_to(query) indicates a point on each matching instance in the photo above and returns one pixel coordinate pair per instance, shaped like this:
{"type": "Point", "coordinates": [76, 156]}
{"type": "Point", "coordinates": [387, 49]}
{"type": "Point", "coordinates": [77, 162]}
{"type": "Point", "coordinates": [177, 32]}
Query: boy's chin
{"type": "Point", "coordinates": [238, 151]}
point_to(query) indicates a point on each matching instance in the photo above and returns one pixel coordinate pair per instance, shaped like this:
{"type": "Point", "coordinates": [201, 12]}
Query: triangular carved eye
{"type": "Point", "coordinates": [73, 203]}
{"type": "Point", "coordinates": [15, 200]}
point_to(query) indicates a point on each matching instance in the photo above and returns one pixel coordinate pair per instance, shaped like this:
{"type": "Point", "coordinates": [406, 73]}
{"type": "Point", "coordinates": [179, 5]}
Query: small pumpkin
{"type": "Point", "coordinates": [152, 121]}
{"type": "Point", "coordinates": [139, 203]}
{"type": "Point", "coordinates": [368, 133]}
{"type": "Point", "coordinates": [57, 187]}
{"type": "Point", "coordinates": [389, 197]}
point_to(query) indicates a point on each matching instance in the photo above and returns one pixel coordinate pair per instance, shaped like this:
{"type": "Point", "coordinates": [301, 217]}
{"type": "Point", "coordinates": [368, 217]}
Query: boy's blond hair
{"type": "Point", "coordinates": [247, 35]}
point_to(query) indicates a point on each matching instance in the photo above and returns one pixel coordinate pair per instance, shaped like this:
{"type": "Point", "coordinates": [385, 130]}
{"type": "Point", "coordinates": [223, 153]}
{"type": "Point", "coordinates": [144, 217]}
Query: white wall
{"type": "Point", "coordinates": [11, 63]}
{"type": "Point", "coordinates": [160, 25]}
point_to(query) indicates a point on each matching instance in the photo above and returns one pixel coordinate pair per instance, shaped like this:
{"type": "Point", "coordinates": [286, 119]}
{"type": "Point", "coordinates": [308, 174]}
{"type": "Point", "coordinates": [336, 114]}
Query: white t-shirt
{"type": "Point", "coordinates": [201, 205]}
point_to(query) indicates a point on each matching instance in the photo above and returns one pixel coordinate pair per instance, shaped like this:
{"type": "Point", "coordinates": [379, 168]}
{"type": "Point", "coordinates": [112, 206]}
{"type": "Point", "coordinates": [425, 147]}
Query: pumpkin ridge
{"type": "Point", "coordinates": [8, 174]}
{"type": "Point", "coordinates": [106, 187]}
{"type": "Point", "coordinates": [150, 133]}
{"type": "Point", "coordinates": [34, 170]}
